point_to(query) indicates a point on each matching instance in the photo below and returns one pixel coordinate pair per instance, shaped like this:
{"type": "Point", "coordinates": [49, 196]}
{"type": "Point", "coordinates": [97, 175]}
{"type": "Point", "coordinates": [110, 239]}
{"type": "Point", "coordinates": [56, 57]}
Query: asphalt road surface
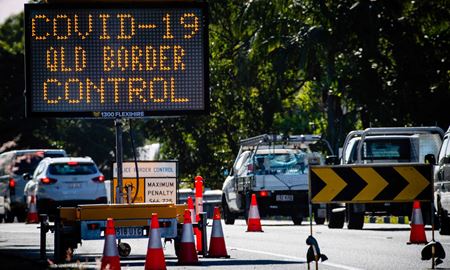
{"type": "Point", "coordinates": [280, 246]}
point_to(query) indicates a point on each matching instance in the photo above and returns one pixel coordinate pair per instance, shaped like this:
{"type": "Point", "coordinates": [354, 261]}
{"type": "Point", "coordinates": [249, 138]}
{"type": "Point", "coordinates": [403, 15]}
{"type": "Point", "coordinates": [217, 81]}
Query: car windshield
{"type": "Point", "coordinates": [397, 149]}
{"type": "Point", "coordinates": [72, 169]}
{"type": "Point", "coordinates": [288, 163]}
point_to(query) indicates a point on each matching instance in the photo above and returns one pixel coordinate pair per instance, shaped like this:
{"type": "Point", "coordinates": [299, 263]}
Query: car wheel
{"type": "Point", "coordinates": [355, 220]}
{"type": "Point", "coordinates": [297, 219]}
{"type": "Point", "coordinates": [319, 221]}
{"type": "Point", "coordinates": [22, 217]}
{"type": "Point", "coordinates": [444, 221]}
{"type": "Point", "coordinates": [9, 216]}
{"type": "Point", "coordinates": [337, 219]}
{"type": "Point", "coordinates": [228, 217]}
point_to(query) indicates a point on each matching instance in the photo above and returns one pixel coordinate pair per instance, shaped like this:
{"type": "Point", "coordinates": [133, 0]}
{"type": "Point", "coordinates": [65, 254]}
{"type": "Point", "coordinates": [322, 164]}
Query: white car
{"type": "Point", "coordinates": [66, 181]}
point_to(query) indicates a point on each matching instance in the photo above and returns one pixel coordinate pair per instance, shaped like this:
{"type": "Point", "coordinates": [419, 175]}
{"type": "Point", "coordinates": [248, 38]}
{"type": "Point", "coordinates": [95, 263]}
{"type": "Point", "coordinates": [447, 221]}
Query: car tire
{"type": "Point", "coordinates": [337, 220]}
{"type": "Point", "coordinates": [22, 217]}
{"type": "Point", "coordinates": [444, 221]}
{"type": "Point", "coordinates": [297, 219]}
{"type": "Point", "coordinates": [9, 216]}
{"type": "Point", "coordinates": [228, 217]}
{"type": "Point", "coordinates": [319, 221]}
{"type": "Point", "coordinates": [355, 220]}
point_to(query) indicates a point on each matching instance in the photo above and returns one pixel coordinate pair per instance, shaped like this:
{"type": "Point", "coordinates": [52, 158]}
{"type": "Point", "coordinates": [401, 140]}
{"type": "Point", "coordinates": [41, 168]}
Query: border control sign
{"type": "Point", "coordinates": [110, 60]}
{"type": "Point", "coordinates": [157, 181]}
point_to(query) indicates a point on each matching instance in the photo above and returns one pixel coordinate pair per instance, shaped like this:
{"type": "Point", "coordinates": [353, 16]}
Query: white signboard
{"type": "Point", "coordinates": [160, 190]}
{"type": "Point", "coordinates": [158, 181]}
{"type": "Point", "coordinates": [148, 169]}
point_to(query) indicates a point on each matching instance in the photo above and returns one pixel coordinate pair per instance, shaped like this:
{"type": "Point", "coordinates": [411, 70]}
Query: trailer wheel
{"type": "Point", "coordinates": [124, 249]}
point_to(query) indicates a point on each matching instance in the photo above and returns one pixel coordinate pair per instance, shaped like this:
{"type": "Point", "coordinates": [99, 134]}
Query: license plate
{"type": "Point", "coordinates": [74, 185]}
{"type": "Point", "coordinates": [126, 232]}
{"type": "Point", "coordinates": [285, 198]}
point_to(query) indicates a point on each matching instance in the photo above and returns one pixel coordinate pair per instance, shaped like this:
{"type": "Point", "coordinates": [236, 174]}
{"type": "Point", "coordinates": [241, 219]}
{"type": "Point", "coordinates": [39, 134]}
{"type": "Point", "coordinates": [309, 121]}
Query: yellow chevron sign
{"type": "Point", "coordinates": [371, 183]}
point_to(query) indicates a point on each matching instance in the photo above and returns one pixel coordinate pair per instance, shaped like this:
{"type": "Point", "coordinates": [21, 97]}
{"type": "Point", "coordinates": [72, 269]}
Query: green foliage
{"type": "Point", "coordinates": [281, 66]}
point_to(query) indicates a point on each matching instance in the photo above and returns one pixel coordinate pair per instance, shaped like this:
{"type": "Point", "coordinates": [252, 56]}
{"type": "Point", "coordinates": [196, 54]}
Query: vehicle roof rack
{"type": "Point", "coordinates": [265, 139]}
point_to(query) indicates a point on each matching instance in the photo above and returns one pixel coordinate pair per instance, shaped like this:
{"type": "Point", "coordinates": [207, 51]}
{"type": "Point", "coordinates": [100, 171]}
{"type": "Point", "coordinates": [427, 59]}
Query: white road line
{"type": "Point", "coordinates": [294, 258]}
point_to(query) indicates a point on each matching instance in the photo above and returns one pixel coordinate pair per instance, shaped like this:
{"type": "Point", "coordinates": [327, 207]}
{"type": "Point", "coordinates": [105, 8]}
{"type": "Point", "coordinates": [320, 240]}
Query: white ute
{"type": "Point", "coordinates": [274, 168]}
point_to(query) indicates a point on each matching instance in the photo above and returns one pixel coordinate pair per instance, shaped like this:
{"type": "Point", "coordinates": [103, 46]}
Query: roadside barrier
{"type": "Point", "coordinates": [254, 221]}
{"type": "Point", "coordinates": [110, 259]}
{"type": "Point", "coordinates": [187, 253]}
{"type": "Point", "coordinates": [217, 248]}
{"type": "Point", "coordinates": [417, 235]}
{"type": "Point", "coordinates": [32, 216]}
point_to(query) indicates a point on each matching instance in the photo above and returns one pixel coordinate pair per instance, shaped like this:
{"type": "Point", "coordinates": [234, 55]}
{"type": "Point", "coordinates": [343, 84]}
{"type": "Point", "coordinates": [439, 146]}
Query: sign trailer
{"type": "Point", "coordinates": [118, 61]}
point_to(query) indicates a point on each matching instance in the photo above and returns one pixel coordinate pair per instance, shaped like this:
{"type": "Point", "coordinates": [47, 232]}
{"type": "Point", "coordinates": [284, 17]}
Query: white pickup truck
{"type": "Point", "coordinates": [442, 186]}
{"type": "Point", "coordinates": [385, 145]}
{"type": "Point", "coordinates": [275, 169]}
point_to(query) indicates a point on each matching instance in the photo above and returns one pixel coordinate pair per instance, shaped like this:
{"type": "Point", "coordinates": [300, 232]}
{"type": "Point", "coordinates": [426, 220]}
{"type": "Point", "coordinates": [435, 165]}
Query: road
{"type": "Point", "coordinates": [280, 246]}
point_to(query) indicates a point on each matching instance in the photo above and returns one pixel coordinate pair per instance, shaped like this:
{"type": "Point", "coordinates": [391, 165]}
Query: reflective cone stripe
{"type": "Point", "coordinates": [32, 216]}
{"type": "Point", "coordinates": [187, 254]}
{"type": "Point", "coordinates": [417, 235]}
{"type": "Point", "coordinates": [110, 259]}
{"type": "Point", "coordinates": [217, 248]}
{"type": "Point", "coordinates": [254, 221]}
{"type": "Point", "coordinates": [155, 255]}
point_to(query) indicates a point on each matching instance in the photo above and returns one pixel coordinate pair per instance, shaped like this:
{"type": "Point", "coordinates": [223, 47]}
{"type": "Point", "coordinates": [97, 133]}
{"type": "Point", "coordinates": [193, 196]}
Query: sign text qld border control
{"type": "Point", "coordinates": [110, 60]}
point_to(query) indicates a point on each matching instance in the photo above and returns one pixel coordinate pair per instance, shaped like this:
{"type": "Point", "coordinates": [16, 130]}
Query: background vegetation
{"type": "Point", "coordinates": [280, 66]}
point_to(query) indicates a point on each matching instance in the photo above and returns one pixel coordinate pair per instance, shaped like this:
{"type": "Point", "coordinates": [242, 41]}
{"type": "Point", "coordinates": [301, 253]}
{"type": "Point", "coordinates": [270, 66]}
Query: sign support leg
{"type": "Point", "coordinates": [119, 160]}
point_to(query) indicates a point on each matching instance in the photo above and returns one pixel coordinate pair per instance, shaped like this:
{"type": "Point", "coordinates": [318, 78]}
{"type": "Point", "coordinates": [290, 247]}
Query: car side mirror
{"type": "Point", "coordinates": [225, 172]}
{"type": "Point", "coordinates": [27, 176]}
{"type": "Point", "coordinates": [332, 160]}
{"type": "Point", "coordinates": [430, 159]}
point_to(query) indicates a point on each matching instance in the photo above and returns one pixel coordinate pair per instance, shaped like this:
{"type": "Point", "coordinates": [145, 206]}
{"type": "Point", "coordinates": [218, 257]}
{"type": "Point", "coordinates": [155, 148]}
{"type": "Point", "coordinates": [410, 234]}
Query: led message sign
{"type": "Point", "coordinates": [116, 60]}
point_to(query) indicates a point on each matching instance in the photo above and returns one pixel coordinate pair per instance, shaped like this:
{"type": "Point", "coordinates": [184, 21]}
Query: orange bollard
{"type": "Point", "coordinates": [217, 248]}
{"type": "Point", "coordinates": [254, 221]}
{"type": "Point", "coordinates": [417, 235]}
{"type": "Point", "coordinates": [155, 255]}
{"type": "Point", "coordinates": [198, 210]}
{"type": "Point", "coordinates": [110, 259]}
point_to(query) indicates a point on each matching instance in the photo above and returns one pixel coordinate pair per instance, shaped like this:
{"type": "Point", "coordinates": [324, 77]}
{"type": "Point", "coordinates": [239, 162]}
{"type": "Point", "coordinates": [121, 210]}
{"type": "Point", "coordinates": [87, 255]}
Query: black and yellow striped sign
{"type": "Point", "coordinates": [371, 183]}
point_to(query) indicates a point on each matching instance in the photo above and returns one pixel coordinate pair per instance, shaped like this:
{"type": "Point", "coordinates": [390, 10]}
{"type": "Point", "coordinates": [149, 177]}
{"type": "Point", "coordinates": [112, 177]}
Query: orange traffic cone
{"type": "Point", "coordinates": [417, 235]}
{"type": "Point", "coordinates": [110, 259]}
{"type": "Point", "coordinates": [254, 221]}
{"type": "Point", "coordinates": [187, 254]}
{"type": "Point", "coordinates": [217, 247]}
{"type": "Point", "coordinates": [32, 216]}
{"type": "Point", "coordinates": [155, 256]}
{"type": "Point", "coordinates": [190, 204]}
{"type": "Point", "coordinates": [197, 232]}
